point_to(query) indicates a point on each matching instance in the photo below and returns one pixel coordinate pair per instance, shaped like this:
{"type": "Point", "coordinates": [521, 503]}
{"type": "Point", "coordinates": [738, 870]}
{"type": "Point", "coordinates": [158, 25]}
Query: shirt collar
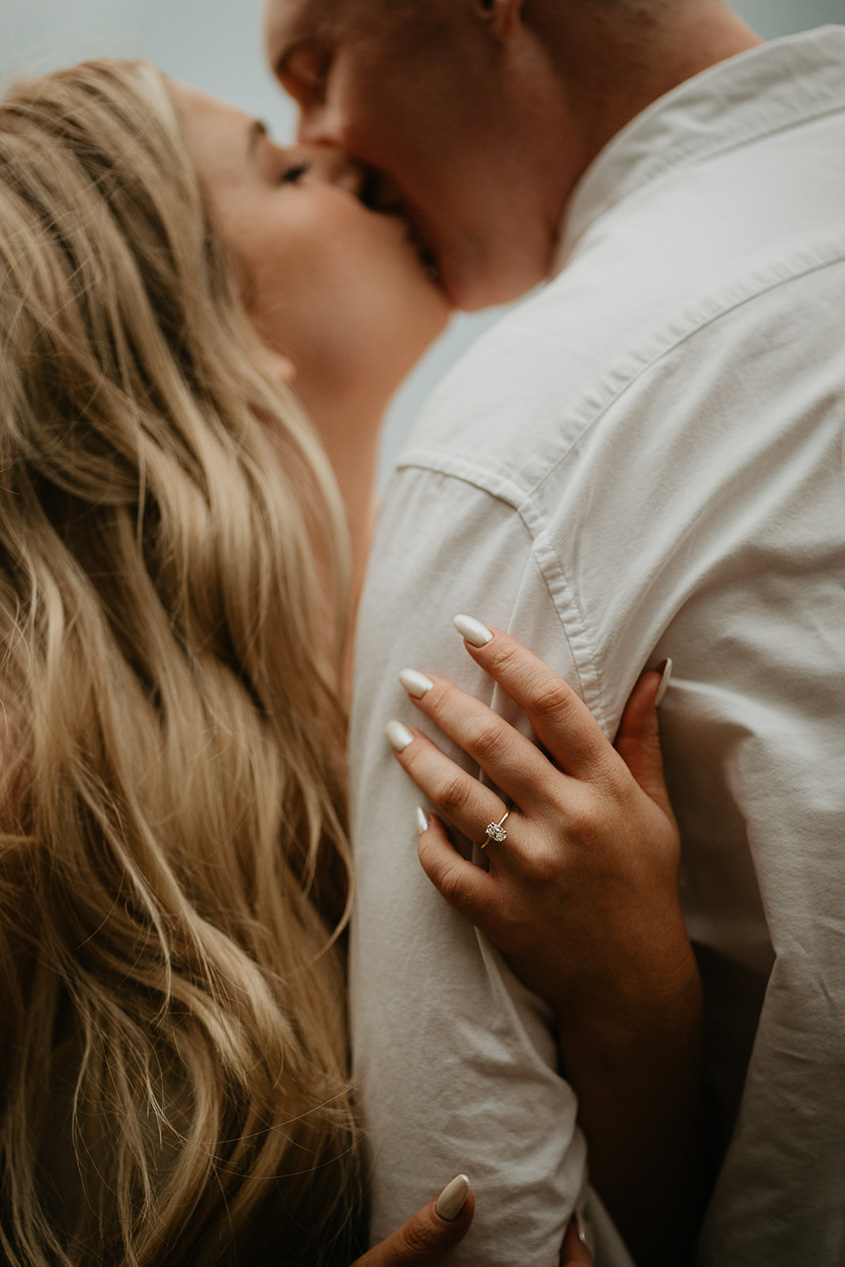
{"type": "Point", "coordinates": [755, 94]}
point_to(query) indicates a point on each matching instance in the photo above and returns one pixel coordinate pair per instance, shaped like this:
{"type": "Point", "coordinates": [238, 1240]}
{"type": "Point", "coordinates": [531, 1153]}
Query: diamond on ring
{"type": "Point", "coordinates": [496, 831]}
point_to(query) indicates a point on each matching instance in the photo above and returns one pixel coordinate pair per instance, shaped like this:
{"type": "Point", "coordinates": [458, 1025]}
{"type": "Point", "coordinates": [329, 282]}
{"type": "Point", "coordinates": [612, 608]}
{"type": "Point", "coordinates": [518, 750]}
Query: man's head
{"type": "Point", "coordinates": [479, 115]}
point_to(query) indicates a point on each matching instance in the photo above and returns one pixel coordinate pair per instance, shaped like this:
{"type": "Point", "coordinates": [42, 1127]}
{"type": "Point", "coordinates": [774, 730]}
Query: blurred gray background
{"type": "Point", "coordinates": [216, 44]}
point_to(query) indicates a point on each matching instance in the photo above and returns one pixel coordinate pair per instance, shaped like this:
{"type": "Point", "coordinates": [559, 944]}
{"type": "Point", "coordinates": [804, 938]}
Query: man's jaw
{"type": "Point", "coordinates": [472, 273]}
{"type": "Point", "coordinates": [456, 268]}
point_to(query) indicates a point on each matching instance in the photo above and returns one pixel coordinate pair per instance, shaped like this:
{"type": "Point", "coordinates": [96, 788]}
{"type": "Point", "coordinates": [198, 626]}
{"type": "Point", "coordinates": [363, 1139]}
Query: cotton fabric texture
{"type": "Point", "coordinates": [645, 459]}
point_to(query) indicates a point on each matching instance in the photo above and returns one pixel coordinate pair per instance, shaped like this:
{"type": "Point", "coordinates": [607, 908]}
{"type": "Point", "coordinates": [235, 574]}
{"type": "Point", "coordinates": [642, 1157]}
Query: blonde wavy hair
{"type": "Point", "coordinates": [174, 869]}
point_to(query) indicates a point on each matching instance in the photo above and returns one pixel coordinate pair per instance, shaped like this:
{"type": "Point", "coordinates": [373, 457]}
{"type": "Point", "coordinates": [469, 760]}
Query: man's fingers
{"type": "Point", "coordinates": [561, 720]}
{"type": "Point", "coordinates": [427, 1236]}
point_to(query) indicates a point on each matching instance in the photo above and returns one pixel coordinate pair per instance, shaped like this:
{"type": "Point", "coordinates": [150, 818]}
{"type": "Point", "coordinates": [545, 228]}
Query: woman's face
{"type": "Point", "coordinates": [338, 289]}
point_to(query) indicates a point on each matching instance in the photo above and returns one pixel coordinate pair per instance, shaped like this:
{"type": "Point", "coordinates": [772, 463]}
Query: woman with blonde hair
{"type": "Point", "coordinates": [174, 863]}
{"type": "Point", "coordinates": [175, 580]}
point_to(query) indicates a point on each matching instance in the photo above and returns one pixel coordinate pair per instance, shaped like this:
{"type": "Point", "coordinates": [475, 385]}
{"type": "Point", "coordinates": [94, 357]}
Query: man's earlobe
{"type": "Point", "coordinates": [503, 16]}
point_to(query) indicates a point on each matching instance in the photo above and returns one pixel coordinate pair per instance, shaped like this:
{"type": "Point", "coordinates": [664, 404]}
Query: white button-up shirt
{"type": "Point", "coordinates": [645, 459]}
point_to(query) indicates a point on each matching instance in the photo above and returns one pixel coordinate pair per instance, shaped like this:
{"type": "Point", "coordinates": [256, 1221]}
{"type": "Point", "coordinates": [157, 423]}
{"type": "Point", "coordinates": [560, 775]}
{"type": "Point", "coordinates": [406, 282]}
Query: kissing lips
{"type": "Point", "coordinates": [378, 193]}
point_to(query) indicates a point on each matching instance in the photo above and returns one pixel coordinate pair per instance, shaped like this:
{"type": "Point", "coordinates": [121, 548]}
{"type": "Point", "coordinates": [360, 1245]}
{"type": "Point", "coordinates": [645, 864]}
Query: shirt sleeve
{"type": "Point", "coordinates": [455, 1062]}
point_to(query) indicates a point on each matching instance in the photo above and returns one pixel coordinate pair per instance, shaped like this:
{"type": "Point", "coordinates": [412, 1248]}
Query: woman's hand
{"type": "Point", "coordinates": [582, 898]}
{"type": "Point", "coordinates": [444, 1221]}
{"type": "Point", "coordinates": [582, 895]}
{"type": "Point", "coordinates": [576, 1250]}
{"type": "Point", "coordinates": [428, 1234]}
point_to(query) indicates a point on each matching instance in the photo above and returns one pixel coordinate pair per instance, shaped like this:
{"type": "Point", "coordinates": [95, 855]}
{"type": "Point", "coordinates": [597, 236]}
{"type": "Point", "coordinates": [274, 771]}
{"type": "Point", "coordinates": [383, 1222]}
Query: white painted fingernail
{"type": "Point", "coordinates": [399, 735]}
{"type": "Point", "coordinates": [473, 630]}
{"type": "Point", "coordinates": [422, 820]}
{"type": "Point", "coordinates": [664, 682]}
{"type": "Point", "coordinates": [585, 1233]}
{"type": "Point", "coordinates": [453, 1198]}
{"type": "Point", "coordinates": [416, 684]}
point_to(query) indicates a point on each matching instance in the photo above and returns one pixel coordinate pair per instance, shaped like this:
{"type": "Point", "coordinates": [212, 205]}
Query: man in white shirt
{"type": "Point", "coordinates": [645, 459]}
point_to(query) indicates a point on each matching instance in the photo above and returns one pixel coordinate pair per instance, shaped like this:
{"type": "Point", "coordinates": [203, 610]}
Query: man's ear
{"type": "Point", "coordinates": [503, 16]}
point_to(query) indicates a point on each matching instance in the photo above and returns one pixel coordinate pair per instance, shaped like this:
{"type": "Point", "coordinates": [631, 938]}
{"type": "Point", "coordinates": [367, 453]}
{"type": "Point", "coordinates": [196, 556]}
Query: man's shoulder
{"type": "Point", "coordinates": [493, 398]}
{"type": "Point", "coordinates": [525, 399]}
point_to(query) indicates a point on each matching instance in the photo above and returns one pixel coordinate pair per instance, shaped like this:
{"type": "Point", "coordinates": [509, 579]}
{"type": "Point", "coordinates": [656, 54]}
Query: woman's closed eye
{"type": "Point", "coordinates": [293, 174]}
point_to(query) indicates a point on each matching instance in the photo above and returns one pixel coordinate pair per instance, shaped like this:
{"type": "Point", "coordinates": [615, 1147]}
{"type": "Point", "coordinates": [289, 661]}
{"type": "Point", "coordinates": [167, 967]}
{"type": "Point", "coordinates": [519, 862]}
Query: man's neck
{"type": "Point", "coordinates": [615, 57]}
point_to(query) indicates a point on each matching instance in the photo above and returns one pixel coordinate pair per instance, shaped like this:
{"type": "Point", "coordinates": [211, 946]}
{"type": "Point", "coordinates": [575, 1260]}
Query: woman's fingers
{"type": "Point", "coordinates": [575, 1251]}
{"type": "Point", "coordinates": [638, 737]}
{"type": "Point", "coordinates": [468, 804]}
{"type": "Point", "coordinates": [511, 760]}
{"type": "Point", "coordinates": [582, 896]}
{"type": "Point", "coordinates": [561, 721]}
{"type": "Point", "coordinates": [468, 889]}
{"type": "Point", "coordinates": [429, 1233]}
